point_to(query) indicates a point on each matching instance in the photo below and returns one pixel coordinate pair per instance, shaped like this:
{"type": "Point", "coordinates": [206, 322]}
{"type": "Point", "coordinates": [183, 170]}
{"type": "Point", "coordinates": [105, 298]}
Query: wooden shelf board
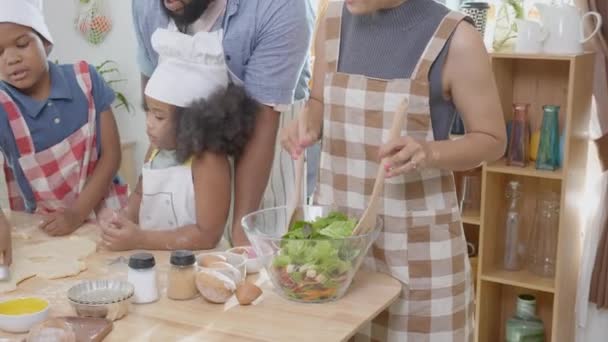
{"type": "Point", "coordinates": [497, 55]}
{"type": "Point", "coordinates": [528, 171]}
{"type": "Point", "coordinates": [523, 279]}
{"type": "Point", "coordinates": [471, 218]}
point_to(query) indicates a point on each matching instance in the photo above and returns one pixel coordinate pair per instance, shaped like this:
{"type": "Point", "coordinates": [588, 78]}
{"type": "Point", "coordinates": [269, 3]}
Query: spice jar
{"type": "Point", "coordinates": [142, 274]}
{"type": "Point", "coordinates": [181, 278]}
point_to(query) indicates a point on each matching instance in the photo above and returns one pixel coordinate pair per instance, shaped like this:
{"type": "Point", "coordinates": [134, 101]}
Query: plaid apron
{"type": "Point", "coordinates": [58, 174]}
{"type": "Point", "coordinates": [422, 243]}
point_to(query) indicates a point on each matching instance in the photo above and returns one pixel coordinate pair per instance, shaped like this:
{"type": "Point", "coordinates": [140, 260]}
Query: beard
{"type": "Point", "coordinates": [190, 13]}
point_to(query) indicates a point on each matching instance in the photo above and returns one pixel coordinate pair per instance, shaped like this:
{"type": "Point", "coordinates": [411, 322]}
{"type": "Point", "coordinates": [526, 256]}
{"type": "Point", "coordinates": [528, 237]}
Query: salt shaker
{"type": "Point", "coordinates": [142, 274]}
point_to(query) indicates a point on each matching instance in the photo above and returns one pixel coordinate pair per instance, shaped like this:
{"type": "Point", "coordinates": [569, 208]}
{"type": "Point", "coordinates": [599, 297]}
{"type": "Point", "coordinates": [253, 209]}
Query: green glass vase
{"type": "Point", "coordinates": [525, 326]}
{"type": "Point", "coordinates": [548, 148]}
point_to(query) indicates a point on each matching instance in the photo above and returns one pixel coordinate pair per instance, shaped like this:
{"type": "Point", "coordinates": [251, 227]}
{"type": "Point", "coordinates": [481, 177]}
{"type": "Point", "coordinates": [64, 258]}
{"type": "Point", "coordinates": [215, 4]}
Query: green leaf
{"type": "Point", "coordinates": [281, 261]}
{"type": "Point", "coordinates": [339, 229]}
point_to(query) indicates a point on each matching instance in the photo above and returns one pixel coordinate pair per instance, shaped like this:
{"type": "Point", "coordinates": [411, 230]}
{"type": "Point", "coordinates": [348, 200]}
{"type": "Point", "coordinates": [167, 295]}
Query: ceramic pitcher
{"type": "Point", "coordinates": [530, 36]}
{"type": "Point", "coordinates": [564, 24]}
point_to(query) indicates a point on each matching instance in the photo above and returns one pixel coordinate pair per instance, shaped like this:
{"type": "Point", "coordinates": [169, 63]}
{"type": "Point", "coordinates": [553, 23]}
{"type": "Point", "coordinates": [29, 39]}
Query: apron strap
{"type": "Point", "coordinates": [435, 45]}
{"type": "Point", "coordinates": [15, 197]}
{"type": "Point", "coordinates": [83, 77]}
{"type": "Point", "coordinates": [21, 131]}
{"type": "Point", "coordinates": [333, 26]}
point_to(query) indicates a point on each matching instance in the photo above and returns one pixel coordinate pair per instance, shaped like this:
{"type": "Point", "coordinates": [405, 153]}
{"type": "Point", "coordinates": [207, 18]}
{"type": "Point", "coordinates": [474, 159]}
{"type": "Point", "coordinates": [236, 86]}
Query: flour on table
{"type": "Point", "coordinates": [58, 258]}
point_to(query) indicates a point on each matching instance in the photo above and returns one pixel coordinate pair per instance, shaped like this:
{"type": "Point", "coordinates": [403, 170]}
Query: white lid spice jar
{"type": "Point", "coordinates": [181, 283]}
{"type": "Point", "coordinates": [142, 274]}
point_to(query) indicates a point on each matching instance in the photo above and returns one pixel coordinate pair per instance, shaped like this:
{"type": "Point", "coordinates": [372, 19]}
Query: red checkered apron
{"type": "Point", "coordinates": [422, 242]}
{"type": "Point", "coordinates": [58, 174]}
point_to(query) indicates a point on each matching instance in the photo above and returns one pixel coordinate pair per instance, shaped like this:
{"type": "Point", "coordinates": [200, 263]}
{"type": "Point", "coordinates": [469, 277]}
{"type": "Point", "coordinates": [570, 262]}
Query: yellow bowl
{"type": "Point", "coordinates": [18, 315]}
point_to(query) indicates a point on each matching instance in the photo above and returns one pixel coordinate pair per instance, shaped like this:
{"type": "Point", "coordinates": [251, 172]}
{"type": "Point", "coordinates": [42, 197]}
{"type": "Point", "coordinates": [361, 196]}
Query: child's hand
{"type": "Point", "coordinates": [5, 241]}
{"type": "Point", "coordinates": [62, 222]}
{"type": "Point", "coordinates": [120, 234]}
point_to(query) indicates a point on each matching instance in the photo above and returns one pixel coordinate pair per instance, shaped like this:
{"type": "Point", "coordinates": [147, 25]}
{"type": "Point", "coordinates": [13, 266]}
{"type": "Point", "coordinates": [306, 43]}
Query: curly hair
{"type": "Point", "coordinates": [222, 123]}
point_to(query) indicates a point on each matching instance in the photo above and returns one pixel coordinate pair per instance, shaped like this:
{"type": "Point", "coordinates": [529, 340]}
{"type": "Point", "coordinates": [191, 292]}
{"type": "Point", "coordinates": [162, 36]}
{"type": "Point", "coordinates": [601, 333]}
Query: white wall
{"type": "Point", "coordinates": [120, 46]}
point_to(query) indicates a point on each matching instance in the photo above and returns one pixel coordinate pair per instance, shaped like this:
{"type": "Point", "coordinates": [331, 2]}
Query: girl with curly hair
{"type": "Point", "coordinates": [195, 121]}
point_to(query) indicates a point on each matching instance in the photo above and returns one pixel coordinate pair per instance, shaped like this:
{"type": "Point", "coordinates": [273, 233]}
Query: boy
{"type": "Point", "coordinates": [58, 134]}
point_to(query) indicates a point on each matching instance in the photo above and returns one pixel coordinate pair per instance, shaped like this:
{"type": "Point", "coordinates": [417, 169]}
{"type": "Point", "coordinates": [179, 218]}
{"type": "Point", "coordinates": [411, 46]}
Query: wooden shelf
{"type": "Point", "coordinates": [537, 80]}
{"type": "Point", "coordinates": [471, 218]}
{"type": "Point", "coordinates": [528, 171]}
{"type": "Point", "coordinates": [523, 279]}
{"type": "Point", "coordinates": [496, 55]}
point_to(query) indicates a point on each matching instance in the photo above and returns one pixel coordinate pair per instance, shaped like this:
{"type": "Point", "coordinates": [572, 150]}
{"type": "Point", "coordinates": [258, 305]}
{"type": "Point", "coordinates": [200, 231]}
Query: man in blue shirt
{"type": "Point", "coordinates": [266, 45]}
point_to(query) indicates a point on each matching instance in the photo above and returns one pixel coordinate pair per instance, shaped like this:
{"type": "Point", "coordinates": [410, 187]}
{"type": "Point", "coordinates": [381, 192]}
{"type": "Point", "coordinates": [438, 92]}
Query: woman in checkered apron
{"type": "Point", "coordinates": [54, 122]}
{"type": "Point", "coordinates": [422, 243]}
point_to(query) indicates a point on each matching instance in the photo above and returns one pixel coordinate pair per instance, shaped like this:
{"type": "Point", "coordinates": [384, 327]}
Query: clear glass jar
{"type": "Point", "coordinates": [543, 236]}
{"type": "Point", "coordinates": [181, 284]}
{"type": "Point", "coordinates": [142, 274]}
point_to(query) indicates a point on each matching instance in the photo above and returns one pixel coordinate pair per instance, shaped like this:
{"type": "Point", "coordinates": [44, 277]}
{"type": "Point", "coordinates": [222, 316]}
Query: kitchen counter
{"type": "Point", "coordinates": [272, 318]}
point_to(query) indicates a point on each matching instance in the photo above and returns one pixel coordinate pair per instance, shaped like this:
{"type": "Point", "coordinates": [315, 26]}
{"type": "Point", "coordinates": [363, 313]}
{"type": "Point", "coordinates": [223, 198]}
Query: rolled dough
{"type": "Point", "coordinates": [53, 259]}
{"type": "Point", "coordinates": [21, 269]}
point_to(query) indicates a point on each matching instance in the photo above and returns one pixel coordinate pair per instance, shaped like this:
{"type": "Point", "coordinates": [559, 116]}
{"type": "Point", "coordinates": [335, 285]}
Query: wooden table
{"type": "Point", "coordinates": [271, 319]}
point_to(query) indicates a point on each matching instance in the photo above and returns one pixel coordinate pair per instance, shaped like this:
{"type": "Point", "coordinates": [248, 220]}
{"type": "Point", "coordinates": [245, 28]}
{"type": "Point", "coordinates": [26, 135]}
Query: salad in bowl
{"type": "Point", "coordinates": [316, 258]}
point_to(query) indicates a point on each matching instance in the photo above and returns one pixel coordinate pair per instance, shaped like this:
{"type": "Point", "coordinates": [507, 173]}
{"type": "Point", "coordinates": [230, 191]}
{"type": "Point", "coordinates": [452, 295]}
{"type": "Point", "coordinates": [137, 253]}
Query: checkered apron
{"type": "Point", "coordinates": [422, 243]}
{"type": "Point", "coordinates": [58, 174]}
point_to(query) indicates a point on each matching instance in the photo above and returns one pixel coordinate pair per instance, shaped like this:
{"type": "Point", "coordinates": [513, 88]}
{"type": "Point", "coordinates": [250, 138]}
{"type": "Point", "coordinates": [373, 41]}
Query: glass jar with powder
{"type": "Point", "coordinates": [181, 277]}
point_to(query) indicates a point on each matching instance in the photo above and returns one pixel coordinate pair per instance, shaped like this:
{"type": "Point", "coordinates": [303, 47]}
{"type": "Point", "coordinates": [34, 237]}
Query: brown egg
{"type": "Point", "coordinates": [247, 293]}
{"type": "Point", "coordinates": [214, 286]}
{"type": "Point", "coordinates": [208, 259]}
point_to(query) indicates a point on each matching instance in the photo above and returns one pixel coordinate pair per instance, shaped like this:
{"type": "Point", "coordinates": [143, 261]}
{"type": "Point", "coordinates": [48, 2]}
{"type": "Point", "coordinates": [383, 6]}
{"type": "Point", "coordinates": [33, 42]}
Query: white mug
{"type": "Point", "coordinates": [530, 37]}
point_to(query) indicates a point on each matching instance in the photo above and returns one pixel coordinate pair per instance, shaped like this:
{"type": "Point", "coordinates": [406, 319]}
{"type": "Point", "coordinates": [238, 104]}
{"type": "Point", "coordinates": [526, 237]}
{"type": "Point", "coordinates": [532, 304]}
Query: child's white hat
{"type": "Point", "coordinates": [189, 68]}
{"type": "Point", "coordinates": [26, 13]}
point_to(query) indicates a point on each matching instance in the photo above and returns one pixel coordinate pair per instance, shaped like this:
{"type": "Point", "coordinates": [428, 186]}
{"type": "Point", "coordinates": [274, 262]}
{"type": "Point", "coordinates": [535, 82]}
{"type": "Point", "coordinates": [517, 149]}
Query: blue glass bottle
{"type": "Point", "coordinates": [548, 148]}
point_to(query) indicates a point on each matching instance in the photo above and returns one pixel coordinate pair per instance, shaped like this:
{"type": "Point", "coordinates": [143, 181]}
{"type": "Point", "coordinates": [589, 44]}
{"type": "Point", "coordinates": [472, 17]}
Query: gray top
{"type": "Point", "coordinates": [164, 159]}
{"type": "Point", "coordinates": [388, 45]}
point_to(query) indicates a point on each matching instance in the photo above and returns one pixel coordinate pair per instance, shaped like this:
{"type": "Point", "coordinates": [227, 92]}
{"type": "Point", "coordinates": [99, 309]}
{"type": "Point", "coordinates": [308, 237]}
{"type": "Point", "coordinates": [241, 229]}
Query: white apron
{"type": "Point", "coordinates": [167, 197]}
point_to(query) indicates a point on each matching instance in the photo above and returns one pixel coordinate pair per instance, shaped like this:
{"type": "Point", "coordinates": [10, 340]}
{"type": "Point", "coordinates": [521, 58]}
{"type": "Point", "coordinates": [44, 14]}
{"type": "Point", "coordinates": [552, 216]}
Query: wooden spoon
{"type": "Point", "coordinates": [294, 206]}
{"type": "Point", "coordinates": [367, 222]}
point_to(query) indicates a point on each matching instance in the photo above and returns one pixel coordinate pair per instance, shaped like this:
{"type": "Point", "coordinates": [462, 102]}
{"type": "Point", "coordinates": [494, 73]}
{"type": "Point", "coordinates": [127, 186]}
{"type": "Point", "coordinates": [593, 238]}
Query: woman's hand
{"type": "Point", "coordinates": [120, 234]}
{"type": "Point", "coordinates": [295, 144]}
{"type": "Point", "coordinates": [404, 155]}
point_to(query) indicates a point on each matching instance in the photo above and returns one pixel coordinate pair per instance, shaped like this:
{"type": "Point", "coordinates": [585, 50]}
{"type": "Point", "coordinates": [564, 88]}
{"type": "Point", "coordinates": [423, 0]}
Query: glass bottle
{"type": "Point", "coordinates": [525, 326]}
{"type": "Point", "coordinates": [505, 31]}
{"type": "Point", "coordinates": [519, 136]}
{"type": "Point", "coordinates": [181, 283]}
{"type": "Point", "coordinates": [543, 236]}
{"type": "Point", "coordinates": [513, 246]}
{"type": "Point", "coordinates": [548, 148]}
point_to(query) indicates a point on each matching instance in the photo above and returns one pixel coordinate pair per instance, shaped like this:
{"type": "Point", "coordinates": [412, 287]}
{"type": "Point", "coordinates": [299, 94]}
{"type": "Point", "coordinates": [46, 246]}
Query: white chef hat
{"type": "Point", "coordinates": [26, 13]}
{"type": "Point", "coordinates": [189, 68]}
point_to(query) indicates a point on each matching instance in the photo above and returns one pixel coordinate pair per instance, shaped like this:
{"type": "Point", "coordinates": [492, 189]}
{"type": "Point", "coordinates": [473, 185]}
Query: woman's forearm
{"type": "Point", "coordinates": [465, 153]}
